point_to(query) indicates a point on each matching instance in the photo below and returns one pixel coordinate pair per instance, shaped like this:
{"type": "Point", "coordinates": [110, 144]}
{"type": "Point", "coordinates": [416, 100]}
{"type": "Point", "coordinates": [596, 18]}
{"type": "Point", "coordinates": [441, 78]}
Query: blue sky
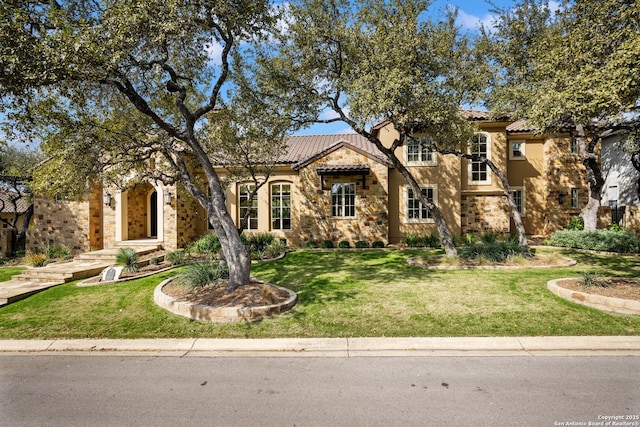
{"type": "Point", "coordinates": [470, 14]}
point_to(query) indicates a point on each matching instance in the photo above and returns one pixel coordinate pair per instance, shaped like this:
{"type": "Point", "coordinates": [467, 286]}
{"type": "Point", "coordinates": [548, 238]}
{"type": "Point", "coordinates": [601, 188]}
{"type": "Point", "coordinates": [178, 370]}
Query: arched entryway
{"type": "Point", "coordinates": [139, 213]}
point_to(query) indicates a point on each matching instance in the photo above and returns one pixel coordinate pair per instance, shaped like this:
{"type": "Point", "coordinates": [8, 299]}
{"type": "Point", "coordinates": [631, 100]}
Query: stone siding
{"type": "Point", "coordinates": [371, 219]}
{"type": "Point", "coordinates": [482, 213]}
{"type": "Point", "coordinates": [60, 222]}
{"type": "Point", "coordinates": [190, 218]}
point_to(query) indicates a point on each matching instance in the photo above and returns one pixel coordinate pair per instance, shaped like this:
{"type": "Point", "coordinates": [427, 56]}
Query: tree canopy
{"type": "Point", "coordinates": [371, 61]}
{"type": "Point", "coordinates": [107, 85]}
{"type": "Point", "coordinates": [574, 70]}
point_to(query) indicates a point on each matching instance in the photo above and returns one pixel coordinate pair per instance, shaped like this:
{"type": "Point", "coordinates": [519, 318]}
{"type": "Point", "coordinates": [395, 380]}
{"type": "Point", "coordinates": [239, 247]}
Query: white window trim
{"type": "Point", "coordinates": [239, 207]}
{"type": "Point", "coordinates": [280, 183]}
{"type": "Point", "coordinates": [405, 204]}
{"type": "Point", "coordinates": [355, 201]}
{"type": "Point", "coordinates": [523, 211]}
{"type": "Point", "coordinates": [523, 146]}
{"type": "Point", "coordinates": [487, 181]}
{"type": "Point", "coordinates": [577, 199]}
{"type": "Point", "coordinates": [434, 156]}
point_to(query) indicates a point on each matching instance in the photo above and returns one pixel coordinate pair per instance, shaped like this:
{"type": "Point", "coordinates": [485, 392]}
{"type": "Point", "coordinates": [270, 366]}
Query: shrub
{"type": "Point", "coordinates": [575, 223]}
{"type": "Point", "coordinates": [176, 257]}
{"type": "Point", "coordinates": [35, 259]}
{"type": "Point", "coordinates": [311, 244]}
{"type": "Point", "coordinates": [377, 244]}
{"type": "Point", "coordinates": [275, 249]}
{"type": "Point", "coordinates": [592, 279]}
{"type": "Point", "coordinates": [492, 252]}
{"type": "Point", "coordinates": [202, 274]}
{"type": "Point", "coordinates": [208, 244]}
{"type": "Point", "coordinates": [362, 244]}
{"type": "Point", "coordinates": [154, 260]}
{"type": "Point", "coordinates": [489, 237]}
{"type": "Point", "coordinates": [326, 244]}
{"type": "Point", "coordinates": [598, 240]}
{"type": "Point", "coordinates": [57, 251]}
{"type": "Point", "coordinates": [128, 258]}
{"type": "Point", "coordinates": [257, 242]}
{"type": "Point", "coordinates": [432, 240]}
{"type": "Point", "coordinates": [412, 240]}
{"type": "Point", "coordinates": [344, 244]}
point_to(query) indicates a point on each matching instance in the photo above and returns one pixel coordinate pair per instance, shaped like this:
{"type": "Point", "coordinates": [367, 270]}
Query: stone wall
{"type": "Point", "coordinates": [60, 222]}
{"type": "Point", "coordinates": [371, 220]}
{"type": "Point", "coordinates": [190, 219]}
{"type": "Point", "coordinates": [482, 212]}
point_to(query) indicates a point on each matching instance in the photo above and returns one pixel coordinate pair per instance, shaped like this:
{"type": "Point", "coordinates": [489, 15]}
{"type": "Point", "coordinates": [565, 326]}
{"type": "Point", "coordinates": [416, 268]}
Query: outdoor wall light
{"type": "Point", "coordinates": [167, 198]}
{"type": "Point", "coordinates": [561, 197]}
{"type": "Point", "coordinates": [106, 199]}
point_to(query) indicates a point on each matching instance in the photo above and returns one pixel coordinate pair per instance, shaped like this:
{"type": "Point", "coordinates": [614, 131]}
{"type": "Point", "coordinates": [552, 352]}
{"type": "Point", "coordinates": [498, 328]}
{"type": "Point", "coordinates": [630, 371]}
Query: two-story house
{"type": "Point", "coordinates": [340, 187]}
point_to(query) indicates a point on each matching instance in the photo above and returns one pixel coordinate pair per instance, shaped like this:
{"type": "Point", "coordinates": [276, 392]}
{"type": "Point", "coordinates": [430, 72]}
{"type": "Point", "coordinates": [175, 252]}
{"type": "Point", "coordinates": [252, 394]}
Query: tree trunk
{"type": "Point", "coordinates": [438, 218]}
{"type": "Point", "coordinates": [594, 178]}
{"type": "Point", "coordinates": [513, 208]}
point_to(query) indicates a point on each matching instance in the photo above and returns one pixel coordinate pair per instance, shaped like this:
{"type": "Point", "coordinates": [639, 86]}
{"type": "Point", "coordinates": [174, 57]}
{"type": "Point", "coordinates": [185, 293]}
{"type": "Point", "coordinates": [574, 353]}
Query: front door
{"type": "Point", "coordinates": [153, 214]}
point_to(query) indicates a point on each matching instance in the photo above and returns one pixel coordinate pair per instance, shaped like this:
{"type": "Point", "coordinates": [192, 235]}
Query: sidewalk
{"type": "Point", "coordinates": [332, 347]}
{"type": "Point", "coordinates": [34, 280]}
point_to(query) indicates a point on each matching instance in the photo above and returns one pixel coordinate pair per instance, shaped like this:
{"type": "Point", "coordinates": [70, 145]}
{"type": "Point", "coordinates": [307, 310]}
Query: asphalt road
{"type": "Point", "coordinates": [368, 391]}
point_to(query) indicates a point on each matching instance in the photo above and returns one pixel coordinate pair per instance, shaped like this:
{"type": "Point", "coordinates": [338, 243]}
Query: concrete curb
{"type": "Point", "coordinates": [333, 347]}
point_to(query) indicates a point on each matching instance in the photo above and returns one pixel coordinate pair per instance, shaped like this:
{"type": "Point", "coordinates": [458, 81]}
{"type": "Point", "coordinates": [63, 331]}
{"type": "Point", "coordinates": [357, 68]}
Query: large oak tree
{"type": "Point", "coordinates": [107, 85]}
{"type": "Point", "coordinates": [574, 70]}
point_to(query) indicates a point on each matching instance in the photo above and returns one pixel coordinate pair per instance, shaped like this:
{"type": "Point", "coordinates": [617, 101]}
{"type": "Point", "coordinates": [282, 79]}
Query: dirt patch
{"type": "Point", "coordinates": [536, 261]}
{"type": "Point", "coordinates": [614, 287]}
{"type": "Point", "coordinates": [254, 294]}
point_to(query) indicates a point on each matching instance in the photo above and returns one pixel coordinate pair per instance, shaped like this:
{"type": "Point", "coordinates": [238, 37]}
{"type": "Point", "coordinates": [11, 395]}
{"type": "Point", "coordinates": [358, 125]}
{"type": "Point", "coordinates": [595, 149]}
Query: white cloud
{"type": "Point", "coordinates": [214, 52]}
{"type": "Point", "coordinates": [472, 22]}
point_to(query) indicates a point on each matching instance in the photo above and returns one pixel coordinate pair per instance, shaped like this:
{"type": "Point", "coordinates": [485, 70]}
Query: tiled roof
{"type": "Point", "coordinates": [6, 205]}
{"type": "Point", "coordinates": [303, 149]}
{"type": "Point", "coordinates": [521, 126]}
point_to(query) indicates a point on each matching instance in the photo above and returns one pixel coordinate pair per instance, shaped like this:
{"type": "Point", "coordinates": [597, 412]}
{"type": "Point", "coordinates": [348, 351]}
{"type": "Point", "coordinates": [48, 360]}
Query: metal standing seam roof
{"type": "Point", "coordinates": [304, 149]}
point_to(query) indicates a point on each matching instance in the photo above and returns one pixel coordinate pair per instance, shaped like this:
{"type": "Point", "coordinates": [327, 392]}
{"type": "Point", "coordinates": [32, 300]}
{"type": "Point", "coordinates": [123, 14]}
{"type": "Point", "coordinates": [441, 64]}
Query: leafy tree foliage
{"type": "Point", "coordinates": [574, 71]}
{"type": "Point", "coordinates": [371, 61]}
{"type": "Point", "coordinates": [16, 166]}
{"type": "Point", "coordinates": [107, 86]}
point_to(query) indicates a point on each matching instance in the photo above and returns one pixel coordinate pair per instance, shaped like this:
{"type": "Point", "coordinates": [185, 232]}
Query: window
{"type": "Point", "coordinates": [480, 146]}
{"type": "Point", "coordinates": [281, 206]}
{"type": "Point", "coordinates": [574, 146]}
{"type": "Point", "coordinates": [419, 151]}
{"type": "Point", "coordinates": [244, 191]}
{"type": "Point", "coordinates": [612, 195]}
{"type": "Point", "coordinates": [518, 197]}
{"type": "Point", "coordinates": [343, 200]}
{"type": "Point", "coordinates": [574, 198]}
{"type": "Point", "coordinates": [517, 150]}
{"type": "Point", "coordinates": [416, 211]}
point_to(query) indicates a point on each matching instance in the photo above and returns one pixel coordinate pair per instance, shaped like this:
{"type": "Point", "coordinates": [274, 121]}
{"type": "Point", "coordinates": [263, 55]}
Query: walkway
{"type": "Point", "coordinates": [34, 280]}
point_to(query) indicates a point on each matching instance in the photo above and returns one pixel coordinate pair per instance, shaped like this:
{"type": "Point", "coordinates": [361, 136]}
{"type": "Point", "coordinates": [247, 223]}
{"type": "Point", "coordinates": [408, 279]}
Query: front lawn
{"type": "Point", "coordinates": [6, 273]}
{"type": "Point", "coordinates": [342, 294]}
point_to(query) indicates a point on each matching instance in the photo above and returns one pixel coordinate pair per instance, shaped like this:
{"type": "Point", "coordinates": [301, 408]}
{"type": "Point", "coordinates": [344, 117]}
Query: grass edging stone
{"type": "Point", "coordinates": [207, 313]}
{"type": "Point", "coordinates": [600, 302]}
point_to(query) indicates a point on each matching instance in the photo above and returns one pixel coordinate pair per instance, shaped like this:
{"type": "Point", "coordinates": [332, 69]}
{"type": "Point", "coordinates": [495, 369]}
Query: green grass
{"type": "Point", "coordinates": [6, 273]}
{"type": "Point", "coordinates": [342, 294]}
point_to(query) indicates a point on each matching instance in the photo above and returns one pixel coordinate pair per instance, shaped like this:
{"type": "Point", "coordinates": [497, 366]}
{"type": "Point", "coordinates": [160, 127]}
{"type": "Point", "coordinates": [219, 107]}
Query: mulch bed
{"type": "Point", "coordinates": [614, 287]}
{"type": "Point", "coordinates": [254, 294]}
